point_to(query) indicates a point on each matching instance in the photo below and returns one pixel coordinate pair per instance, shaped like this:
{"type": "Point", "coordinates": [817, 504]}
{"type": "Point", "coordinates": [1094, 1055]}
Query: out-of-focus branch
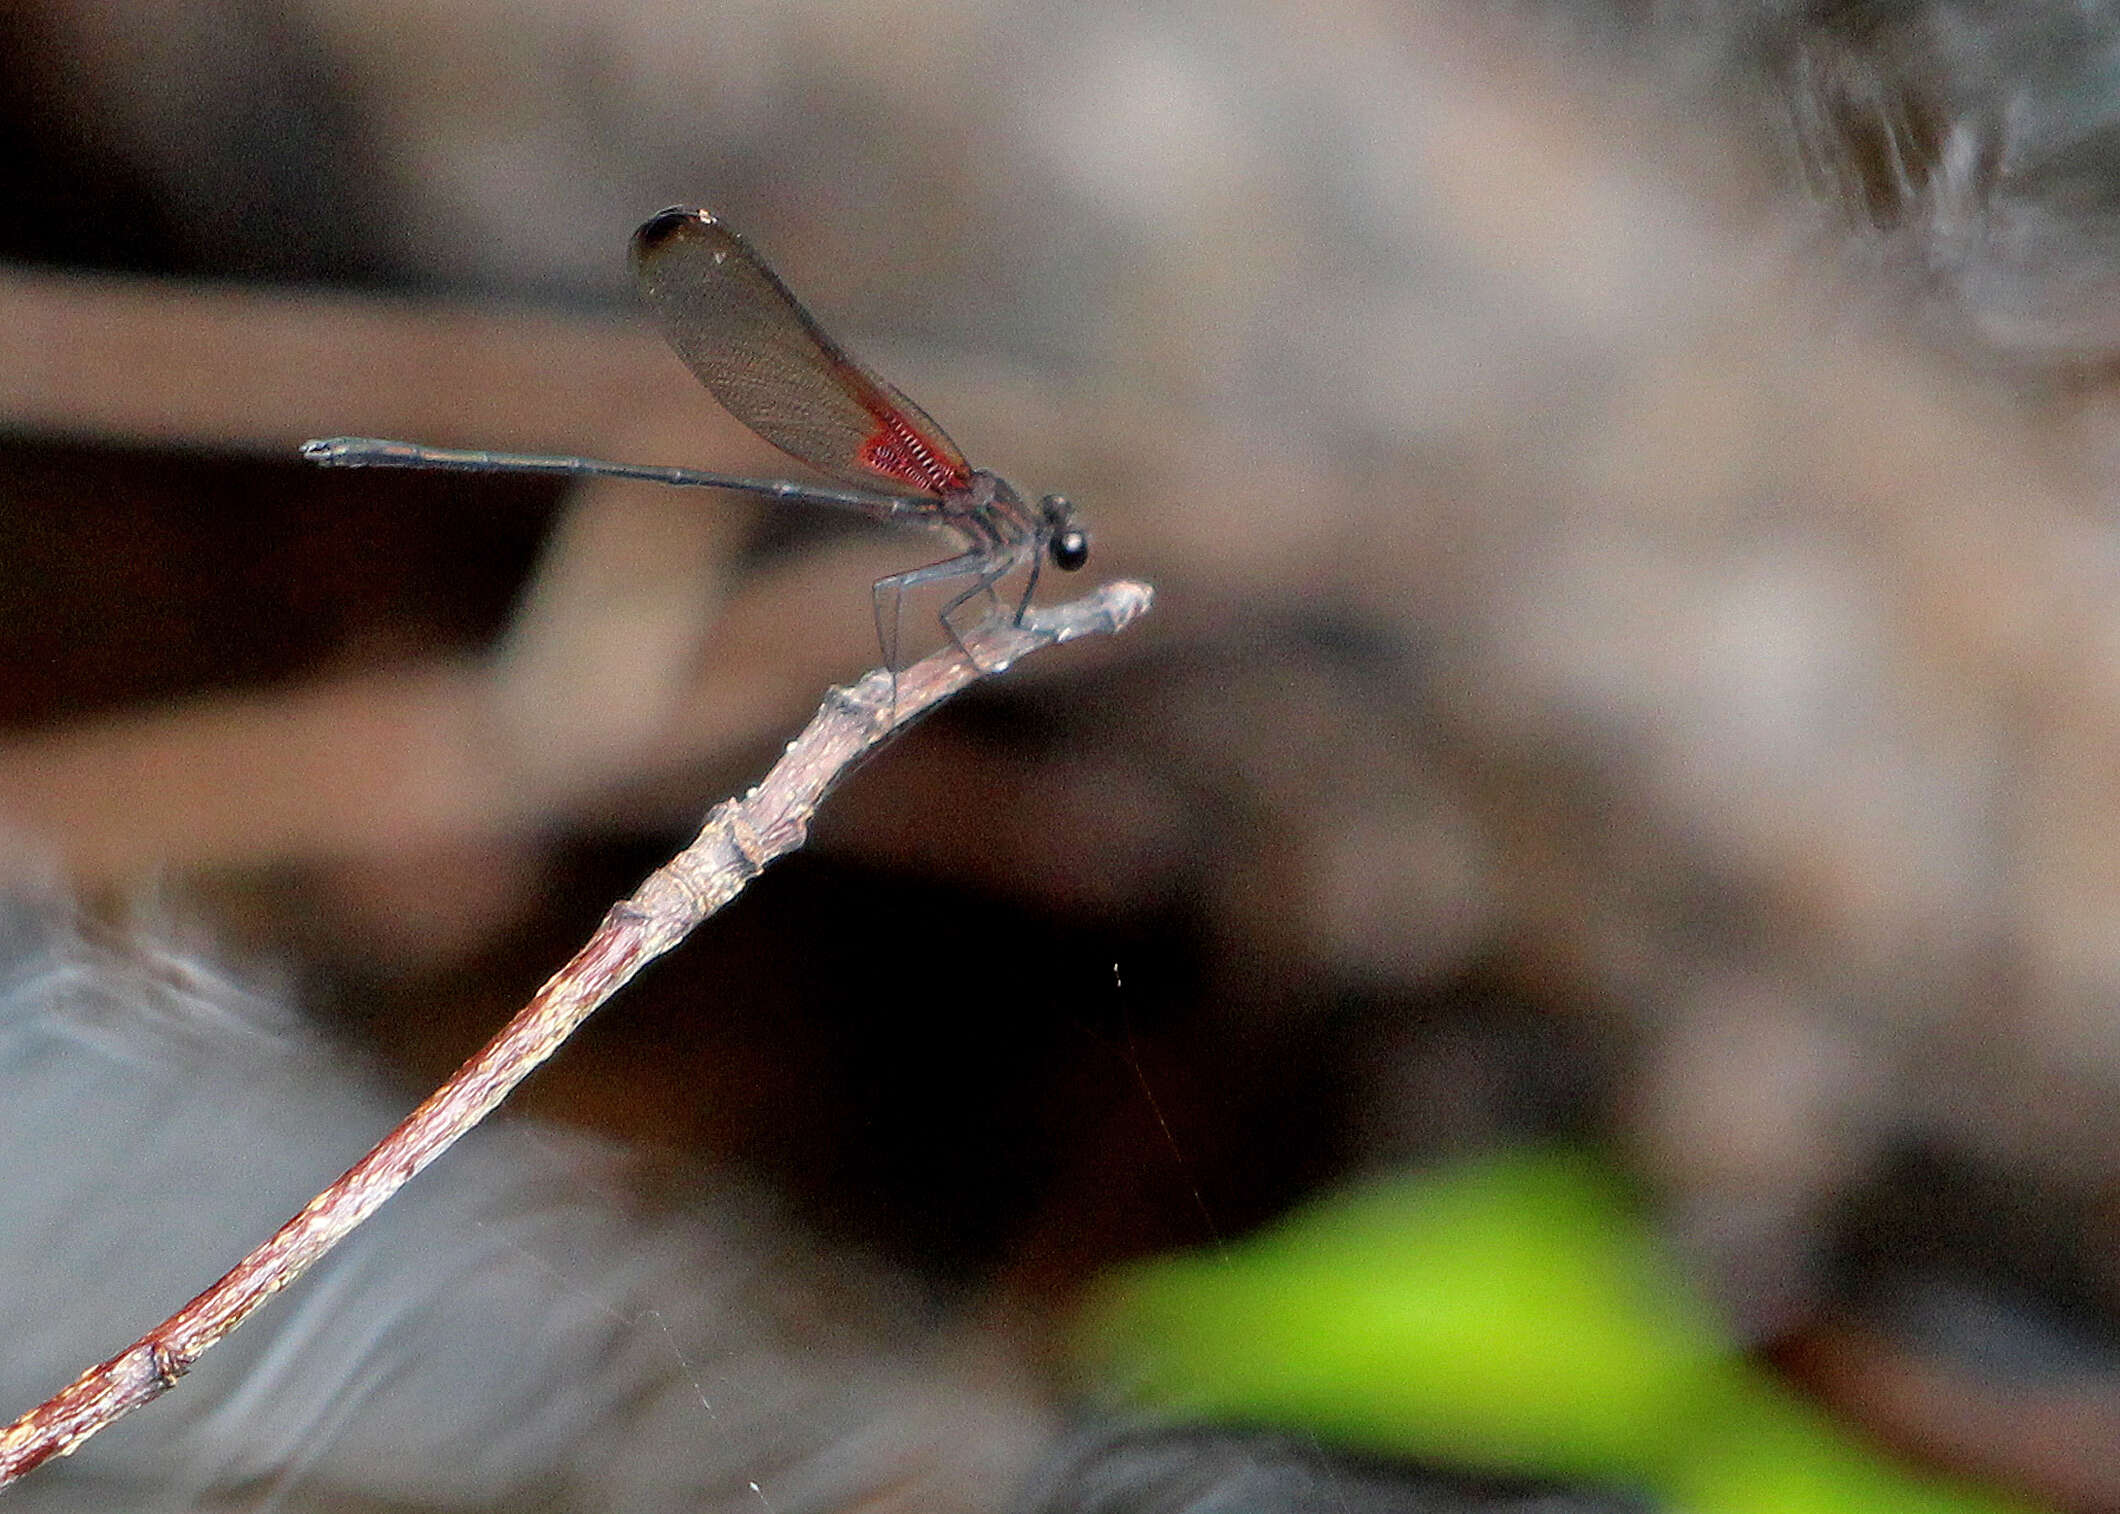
{"type": "Point", "coordinates": [140, 360]}
{"type": "Point", "coordinates": [429, 753]}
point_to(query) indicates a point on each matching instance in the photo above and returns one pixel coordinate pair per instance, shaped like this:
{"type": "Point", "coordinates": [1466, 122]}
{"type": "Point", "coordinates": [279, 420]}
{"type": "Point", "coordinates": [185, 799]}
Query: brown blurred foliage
{"type": "Point", "coordinates": [1629, 487]}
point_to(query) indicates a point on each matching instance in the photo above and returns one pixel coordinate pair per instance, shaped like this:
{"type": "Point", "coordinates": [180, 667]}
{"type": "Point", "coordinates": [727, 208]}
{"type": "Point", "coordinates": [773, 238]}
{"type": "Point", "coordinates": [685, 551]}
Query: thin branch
{"type": "Point", "coordinates": [739, 838]}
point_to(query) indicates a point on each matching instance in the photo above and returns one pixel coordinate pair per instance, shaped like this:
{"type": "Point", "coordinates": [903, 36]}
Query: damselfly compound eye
{"type": "Point", "coordinates": [1066, 543]}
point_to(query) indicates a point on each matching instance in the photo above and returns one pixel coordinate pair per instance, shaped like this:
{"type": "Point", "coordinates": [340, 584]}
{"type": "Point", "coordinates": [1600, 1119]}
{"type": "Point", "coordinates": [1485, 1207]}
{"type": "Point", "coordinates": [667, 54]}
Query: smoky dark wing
{"type": "Point", "coordinates": [751, 343]}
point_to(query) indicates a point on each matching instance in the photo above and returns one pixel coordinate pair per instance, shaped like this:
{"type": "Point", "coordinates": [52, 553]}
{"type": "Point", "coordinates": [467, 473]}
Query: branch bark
{"type": "Point", "coordinates": [739, 838]}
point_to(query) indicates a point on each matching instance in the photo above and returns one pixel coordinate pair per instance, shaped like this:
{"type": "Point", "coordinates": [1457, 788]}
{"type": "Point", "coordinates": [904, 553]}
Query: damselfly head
{"type": "Point", "coordinates": [1067, 544]}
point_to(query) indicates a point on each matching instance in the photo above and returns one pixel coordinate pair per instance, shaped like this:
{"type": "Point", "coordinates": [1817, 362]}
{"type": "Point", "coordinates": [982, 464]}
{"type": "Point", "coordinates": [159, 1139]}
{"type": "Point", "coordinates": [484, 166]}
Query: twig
{"type": "Point", "coordinates": [739, 838]}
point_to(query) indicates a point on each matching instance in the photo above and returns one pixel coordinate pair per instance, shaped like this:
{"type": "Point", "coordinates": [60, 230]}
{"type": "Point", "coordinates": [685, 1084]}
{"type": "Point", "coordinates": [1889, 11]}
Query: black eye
{"type": "Point", "coordinates": [1069, 550]}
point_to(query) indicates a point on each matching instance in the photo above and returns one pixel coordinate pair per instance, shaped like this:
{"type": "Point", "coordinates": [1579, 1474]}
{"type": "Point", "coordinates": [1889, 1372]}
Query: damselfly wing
{"type": "Point", "coordinates": [772, 366]}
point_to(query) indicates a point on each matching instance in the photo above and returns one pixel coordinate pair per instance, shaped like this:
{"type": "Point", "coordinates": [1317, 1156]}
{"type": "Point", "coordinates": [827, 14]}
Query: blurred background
{"type": "Point", "coordinates": [1630, 488]}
